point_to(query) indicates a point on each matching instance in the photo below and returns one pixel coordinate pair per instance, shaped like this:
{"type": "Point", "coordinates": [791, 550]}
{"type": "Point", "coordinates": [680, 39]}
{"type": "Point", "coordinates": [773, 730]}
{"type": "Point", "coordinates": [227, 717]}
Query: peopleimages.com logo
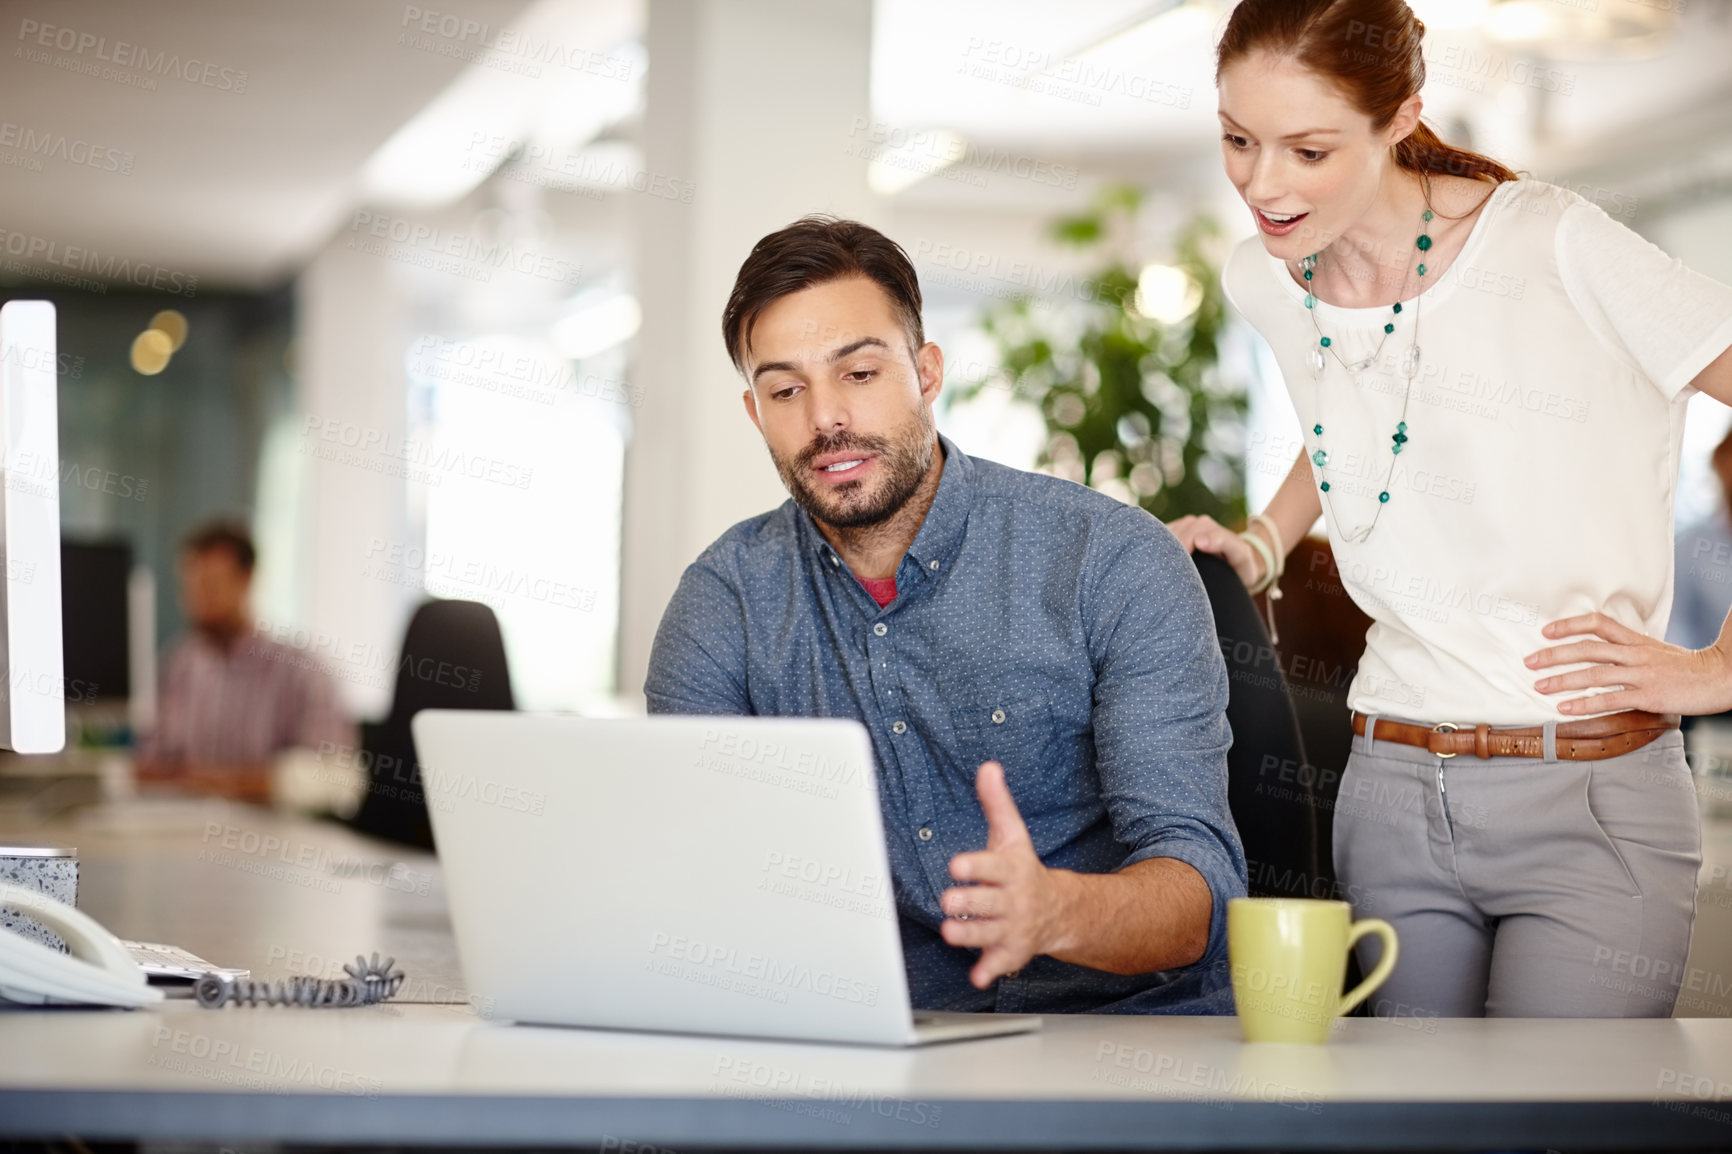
{"type": "Point", "coordinates": [37, 36]}
{"type": "Point", "coordinates": [106, 266]}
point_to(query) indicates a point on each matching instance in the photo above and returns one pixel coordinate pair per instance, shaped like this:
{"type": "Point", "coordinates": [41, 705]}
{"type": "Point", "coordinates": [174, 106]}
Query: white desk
{"type": "Point", "coordinates": [435, 1075]}
{"type": "Point", "coordinates": [245, 887]}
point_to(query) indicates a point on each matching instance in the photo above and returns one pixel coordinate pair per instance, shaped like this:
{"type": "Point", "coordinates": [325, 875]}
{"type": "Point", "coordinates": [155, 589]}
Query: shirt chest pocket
{"type": "Point", "coordinates": [1014, 730]}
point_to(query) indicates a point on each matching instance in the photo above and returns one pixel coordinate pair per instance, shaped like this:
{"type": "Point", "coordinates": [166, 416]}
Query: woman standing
{"type": "Point", "coordinates": [1491, 377]}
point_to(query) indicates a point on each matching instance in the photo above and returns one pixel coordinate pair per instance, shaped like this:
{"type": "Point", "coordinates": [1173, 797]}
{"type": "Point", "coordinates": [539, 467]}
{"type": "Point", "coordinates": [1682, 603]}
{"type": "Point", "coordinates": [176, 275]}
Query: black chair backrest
{"type": "Point", "coordinates": [1270, 786]}
{"type": "Point", "coordinates": [453, 657]}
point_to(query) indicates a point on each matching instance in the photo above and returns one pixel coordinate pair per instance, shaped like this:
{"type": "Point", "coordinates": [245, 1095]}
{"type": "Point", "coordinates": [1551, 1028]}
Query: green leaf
{"type": "Point", "coordinates": [1071, 356]}
{"type": "Point", "coordinates": [1079, 230]}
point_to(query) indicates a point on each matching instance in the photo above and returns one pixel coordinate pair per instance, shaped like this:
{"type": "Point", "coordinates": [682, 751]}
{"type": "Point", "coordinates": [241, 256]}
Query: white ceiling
{"type": "Point", "coordinates": [1043, 75]}
{"type": "Point", "coordinates": [1054, 79]}
{"type": "Point", "coordinates": [234, 187]}
{"type": "Point", "coordinates": [240, 187]}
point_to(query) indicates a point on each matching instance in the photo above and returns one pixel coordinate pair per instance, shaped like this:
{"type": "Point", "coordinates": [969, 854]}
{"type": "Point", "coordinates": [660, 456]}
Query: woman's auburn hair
{"type": "Point", "coordinates": [1371, 51]}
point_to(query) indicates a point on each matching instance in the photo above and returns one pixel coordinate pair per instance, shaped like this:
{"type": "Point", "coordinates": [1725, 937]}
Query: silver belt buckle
{"type": "Point", "coordinates": [1445, 727]}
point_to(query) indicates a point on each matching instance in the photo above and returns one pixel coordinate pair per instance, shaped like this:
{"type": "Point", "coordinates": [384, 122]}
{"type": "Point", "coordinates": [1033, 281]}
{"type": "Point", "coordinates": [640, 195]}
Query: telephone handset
{"type": "Point", "coordinates": [99, 971]}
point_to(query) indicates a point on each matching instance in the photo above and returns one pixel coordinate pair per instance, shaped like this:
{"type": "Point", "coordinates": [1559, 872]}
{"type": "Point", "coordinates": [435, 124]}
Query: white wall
{"type": "Point", "coordinates": [351, 330]}
{"type": "Point", "coordinates": [752, 101]}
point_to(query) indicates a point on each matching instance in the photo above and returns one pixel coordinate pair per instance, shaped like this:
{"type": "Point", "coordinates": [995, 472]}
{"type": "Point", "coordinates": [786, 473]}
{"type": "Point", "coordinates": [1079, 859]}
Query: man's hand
{"type": "Point", "coordinates": [1654, 676]}
{"type": "Point", "coordinates": [247, 781]}
{"type": "Point", "coordinates": [149, 769]}
{"type": "Point", "coordinates": [1016, 907]}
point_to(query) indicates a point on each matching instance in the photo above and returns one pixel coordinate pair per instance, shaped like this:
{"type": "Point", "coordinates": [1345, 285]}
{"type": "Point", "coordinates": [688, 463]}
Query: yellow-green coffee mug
{"type": "Point", "coordinates": [1289, 960]}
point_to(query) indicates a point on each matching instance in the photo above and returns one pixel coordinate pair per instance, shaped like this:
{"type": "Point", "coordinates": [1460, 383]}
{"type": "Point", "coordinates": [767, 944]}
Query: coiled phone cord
{"type": "Point", "coordinates": [369, 981]}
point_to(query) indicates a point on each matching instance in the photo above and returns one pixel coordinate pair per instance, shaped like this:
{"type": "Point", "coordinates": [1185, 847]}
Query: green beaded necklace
{"type": "Point", "coordinates": [1325, 348]}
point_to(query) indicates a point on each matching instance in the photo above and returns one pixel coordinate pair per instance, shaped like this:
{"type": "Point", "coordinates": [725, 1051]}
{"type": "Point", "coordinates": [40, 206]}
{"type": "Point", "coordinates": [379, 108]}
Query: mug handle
{"type": "Point", "coordinates": [1385, 964]}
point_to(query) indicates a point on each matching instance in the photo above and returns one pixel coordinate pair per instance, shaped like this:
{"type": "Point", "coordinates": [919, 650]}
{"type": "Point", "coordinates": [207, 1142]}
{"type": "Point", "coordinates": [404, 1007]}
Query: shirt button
{"type": "Point", "coordinates": [935, 564]}
{"type": "Point", "coordinates": [998, 717]}
{"type": "Point", "coordinates": [880, 629]}
{"type": "Point", "coordinates": [925, 834]}
{"type": "Point", "coordinates": [833, 560]}
{"type": "Point", "coordinates": [899, 727]}
{"type": "Point", "coordinates": [1014, 974]}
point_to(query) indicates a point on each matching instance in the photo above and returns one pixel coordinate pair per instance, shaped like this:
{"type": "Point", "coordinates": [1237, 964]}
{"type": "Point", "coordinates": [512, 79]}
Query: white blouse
{"type": "Point", "coordinates": [1543, 421]}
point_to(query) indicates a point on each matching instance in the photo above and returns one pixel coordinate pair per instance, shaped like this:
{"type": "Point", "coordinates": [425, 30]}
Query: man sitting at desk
{"type": "Point", "coordinates": [1036, 662]}
{"type": "Point", "coordinates": [233, 699]}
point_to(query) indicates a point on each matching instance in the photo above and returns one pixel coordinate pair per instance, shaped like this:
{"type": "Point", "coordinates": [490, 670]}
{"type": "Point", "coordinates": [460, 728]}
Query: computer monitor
{"type": "Point", "coordinates": [94, 614]}
{"type": "Point", "coordinates": [108, 629]}
{"type": "Point", "coordinates": [34, 717]}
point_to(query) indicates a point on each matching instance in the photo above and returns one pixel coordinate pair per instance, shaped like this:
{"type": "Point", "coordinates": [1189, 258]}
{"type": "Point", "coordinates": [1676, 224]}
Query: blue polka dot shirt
{"type": "Point", "coordinates": [1037, 623]}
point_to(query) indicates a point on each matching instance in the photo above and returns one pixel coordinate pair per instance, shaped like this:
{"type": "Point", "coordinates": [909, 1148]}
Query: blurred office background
{"type": "Point", "coordinates": [451, 272]}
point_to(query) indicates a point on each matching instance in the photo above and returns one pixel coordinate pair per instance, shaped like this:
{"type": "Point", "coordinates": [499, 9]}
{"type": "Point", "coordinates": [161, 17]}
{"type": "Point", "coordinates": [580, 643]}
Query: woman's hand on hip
{"type": "Point", "coordinates": [1205, 534]}
{"type": "Point", "coordinates": [1649, 673]}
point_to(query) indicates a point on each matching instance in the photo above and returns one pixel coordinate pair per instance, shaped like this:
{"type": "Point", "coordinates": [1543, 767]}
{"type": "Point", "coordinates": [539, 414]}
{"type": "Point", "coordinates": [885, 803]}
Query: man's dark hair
{"type": "Point", "coordinates": [223, 534]}
{"type": "Point", "coordinates": [816, 250]}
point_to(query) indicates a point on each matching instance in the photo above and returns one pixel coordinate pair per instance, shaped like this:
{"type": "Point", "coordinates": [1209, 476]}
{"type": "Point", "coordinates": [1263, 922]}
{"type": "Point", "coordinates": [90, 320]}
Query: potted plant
{"type": "Point", "coordinates": [1124, 372]}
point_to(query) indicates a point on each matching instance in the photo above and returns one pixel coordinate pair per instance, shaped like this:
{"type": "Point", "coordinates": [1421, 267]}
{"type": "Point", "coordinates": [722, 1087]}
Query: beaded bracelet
{"type": "Point", "coordinates": [1266, 555]}
{"type": "Point", "coordinates": [1275, 541]}
{"type": "Point", "coordinates": [1274, 555]}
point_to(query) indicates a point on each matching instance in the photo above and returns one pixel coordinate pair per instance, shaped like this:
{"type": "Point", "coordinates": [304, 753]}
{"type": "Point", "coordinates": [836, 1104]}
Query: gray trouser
{"type": "Point", "coordinates": [1522, 887]}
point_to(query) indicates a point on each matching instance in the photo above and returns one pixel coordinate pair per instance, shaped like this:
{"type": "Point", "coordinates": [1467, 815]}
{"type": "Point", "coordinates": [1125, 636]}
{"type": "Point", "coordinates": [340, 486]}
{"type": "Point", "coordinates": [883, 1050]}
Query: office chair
{"type": "Point", "coordinates": [1320, 620]}
{"type": "Point", "coordinates": [1270, 786]}
{"type": "Point", "coordinates": [453, 657]}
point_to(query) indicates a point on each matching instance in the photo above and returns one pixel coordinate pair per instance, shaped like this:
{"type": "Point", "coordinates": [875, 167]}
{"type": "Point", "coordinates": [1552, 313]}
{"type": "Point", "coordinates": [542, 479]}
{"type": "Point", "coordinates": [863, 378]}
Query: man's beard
{"type": "Point", "coordinates": [222, 634]}
{"type": "Point", "coordinates": [848, 505]}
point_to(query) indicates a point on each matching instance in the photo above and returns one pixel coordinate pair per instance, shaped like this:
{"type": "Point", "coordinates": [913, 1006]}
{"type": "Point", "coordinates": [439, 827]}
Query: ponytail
{"type": "Point", "coordinates": [1423, 151]}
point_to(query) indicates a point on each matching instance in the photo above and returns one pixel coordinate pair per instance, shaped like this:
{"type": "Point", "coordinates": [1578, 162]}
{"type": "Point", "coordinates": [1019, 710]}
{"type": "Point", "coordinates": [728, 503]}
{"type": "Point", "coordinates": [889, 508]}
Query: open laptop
{"type": "Point", "coordinates": [703, 875]}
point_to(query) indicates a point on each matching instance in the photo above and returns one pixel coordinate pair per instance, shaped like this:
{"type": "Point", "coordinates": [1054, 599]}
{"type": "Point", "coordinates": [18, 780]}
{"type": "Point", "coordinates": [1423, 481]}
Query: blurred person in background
{"type": "Point", "coordinates": [1702, 563]}
{"type": "Point", "coordinates": [232, 700]}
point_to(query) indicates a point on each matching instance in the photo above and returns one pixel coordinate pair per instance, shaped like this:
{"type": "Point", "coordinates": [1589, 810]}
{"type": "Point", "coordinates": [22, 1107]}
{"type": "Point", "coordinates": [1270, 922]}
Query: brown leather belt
{"type": "Point", "coordinates": [1586, 740]}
